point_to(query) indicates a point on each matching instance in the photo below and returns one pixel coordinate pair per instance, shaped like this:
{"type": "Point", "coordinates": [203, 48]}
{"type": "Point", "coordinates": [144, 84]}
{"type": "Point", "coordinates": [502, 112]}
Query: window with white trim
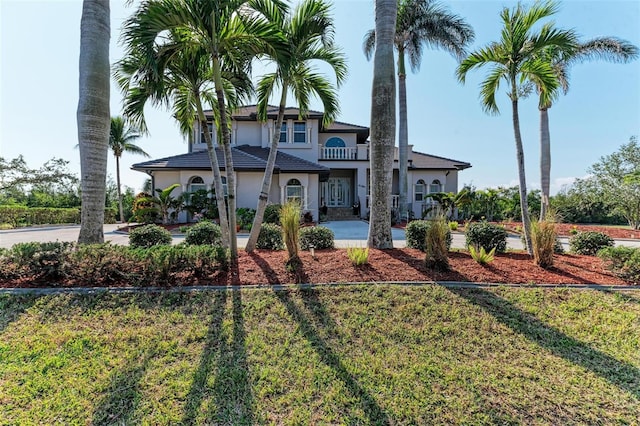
{"type": "Point", "coordinates": [293, 191]}
{"type": "Point", "coordinates": [435, 186]}
{"type": "Point", "coordinates": [300, 132]}
{"type": "Point", "coordinates": [202, 139]}
{"type": "Point", "coordinates": [196, 184]}
{"type": "Point", "coordinates": [283, 133]}
{"type": "Point", "coordinates": [419, 190]}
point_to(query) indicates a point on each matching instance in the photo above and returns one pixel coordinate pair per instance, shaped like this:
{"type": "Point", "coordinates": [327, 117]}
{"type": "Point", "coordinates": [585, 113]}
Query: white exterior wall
{"type": "Point", "coordinates": [247, 133]}
{"type": "Point", "coordinates": [307, 151]}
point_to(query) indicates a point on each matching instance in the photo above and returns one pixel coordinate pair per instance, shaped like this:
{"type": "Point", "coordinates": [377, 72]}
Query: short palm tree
{"type": "Point", "coordinates": [308, 32]}
{"type": "Point", "coordinates": [609, 49]}
{"type": "Point", "coordinates": [121, 137]}
{"type": "Point", "coordinates": [419, 24]}
{"type": "Point", "coordinates": [518, 58]}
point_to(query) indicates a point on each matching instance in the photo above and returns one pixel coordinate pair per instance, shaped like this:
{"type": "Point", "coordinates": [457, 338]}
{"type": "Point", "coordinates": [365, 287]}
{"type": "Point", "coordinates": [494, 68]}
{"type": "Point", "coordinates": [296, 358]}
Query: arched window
{"type": "Point", "coordinates": [294, 191]}
{"type": "Point", "coordinates": [435, 186]}
{"type": "Point", "coordinates": [419, 190]}
{"type": "Point", "coordinates": [196, 183]}
{"type": "Point", "coordinates": [334, 142]}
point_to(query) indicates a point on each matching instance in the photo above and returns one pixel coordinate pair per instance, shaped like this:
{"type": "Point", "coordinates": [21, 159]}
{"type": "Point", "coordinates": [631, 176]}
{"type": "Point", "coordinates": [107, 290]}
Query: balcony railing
{"type": "Point", "coordinates": [338, 153]}
{"type": "Point", "coordinates": [394, 201]}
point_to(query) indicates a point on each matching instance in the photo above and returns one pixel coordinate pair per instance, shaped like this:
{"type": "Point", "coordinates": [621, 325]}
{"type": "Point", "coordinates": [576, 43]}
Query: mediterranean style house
{"type": "Point", "coordinates": [316, 165]}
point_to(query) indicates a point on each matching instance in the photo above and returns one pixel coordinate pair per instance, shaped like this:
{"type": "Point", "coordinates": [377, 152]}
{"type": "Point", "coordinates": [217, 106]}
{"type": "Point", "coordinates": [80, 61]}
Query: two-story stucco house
{"type": "Point", "coordinates": [320, 166]}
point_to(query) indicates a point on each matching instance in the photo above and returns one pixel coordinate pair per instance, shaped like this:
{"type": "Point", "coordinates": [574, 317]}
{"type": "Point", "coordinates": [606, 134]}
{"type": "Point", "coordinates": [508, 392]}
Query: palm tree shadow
{"type": "Point", "coordinates": [123, 392]}
{"type": "Point", "coordinates": [372, 410]}
{"type": "Point", "coordinates": [272, 276]}
{"type": "Point", "coordinates": [212, 348]}
{"type": "Point", "coordinates": [619, 373]}
{"type": "Point", "coordinates": [12, 307]}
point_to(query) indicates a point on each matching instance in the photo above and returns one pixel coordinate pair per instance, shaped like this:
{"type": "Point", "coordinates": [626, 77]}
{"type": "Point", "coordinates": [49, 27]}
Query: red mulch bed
{"type": "Point", "coordinates": [333, 266]}
{"type": "Point", "coordinates": [564, 230]}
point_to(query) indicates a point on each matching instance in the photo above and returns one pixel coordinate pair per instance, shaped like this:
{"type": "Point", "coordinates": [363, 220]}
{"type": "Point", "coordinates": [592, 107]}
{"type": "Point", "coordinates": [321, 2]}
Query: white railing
{"type": "Point", "coordinates": [394, 201]}
{"type": "Point", "coordinates": [338, 153]}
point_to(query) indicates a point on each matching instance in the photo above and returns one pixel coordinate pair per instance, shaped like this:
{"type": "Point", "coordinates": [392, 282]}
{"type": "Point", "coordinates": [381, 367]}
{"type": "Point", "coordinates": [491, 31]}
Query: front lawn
{"type": "Point", "coordinates": [371, 354]}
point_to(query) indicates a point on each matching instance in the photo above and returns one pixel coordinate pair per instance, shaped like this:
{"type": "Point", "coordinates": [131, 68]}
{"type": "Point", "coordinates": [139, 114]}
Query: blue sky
{"type": "Point", "coordinates": [39, 48]}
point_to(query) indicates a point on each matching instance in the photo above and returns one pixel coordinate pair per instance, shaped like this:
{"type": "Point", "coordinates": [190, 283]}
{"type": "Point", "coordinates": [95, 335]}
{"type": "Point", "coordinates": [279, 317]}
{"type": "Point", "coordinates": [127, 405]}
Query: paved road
{"type": "Point", "coordinates": [347, 234]}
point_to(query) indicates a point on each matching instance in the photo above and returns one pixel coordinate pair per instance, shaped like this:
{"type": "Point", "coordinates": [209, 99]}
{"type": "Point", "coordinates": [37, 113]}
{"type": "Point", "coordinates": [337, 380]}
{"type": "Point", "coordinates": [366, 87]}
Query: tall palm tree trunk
{"type": "Point", "coordinates": [383, 126]}
{"type": "Point", "coordinates": [228, 160]}
{"type": "Point", "coordinates": [217, 177]}
{"type": "Point", "coordinates": [524, 205]}
{"type": "Point", "coordinates": [93, 117]}
{"type": "Point", "coordinates": [119, 189]}
{"type": "Point", "coordinates": [403, 138]}
{"type": "Point", "coordinates": [545, 162]}
{"type": "Point", "coordinates": [263, 198]}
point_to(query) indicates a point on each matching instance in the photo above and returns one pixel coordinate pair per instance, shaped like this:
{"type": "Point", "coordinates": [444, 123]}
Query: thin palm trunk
{"type": "Point", "coordinates": [545, 162]}
{"type": "Point", "coordinates": [263, 198]}
{"type": "Point", "coordinates": [228, 159]}
{"type": "Point", "coordinates": [119, 189]}
{"type": "Point", "coordinates": [383, 126]}
{"type": "Point", "coordinates": [403, 137]}
{"type": "Point", "coordinates": [217, 177]}
{"type": "Point", "coordinates": [524, 205]}
{"type": "Point", "coordinates": [93, 117]}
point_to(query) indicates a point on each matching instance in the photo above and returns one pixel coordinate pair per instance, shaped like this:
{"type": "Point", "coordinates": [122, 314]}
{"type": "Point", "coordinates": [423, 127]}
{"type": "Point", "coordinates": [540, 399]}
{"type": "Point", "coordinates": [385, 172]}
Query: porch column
{"type": "Point", "coordinates": [304, 197]}
{"type": "Point", "coordinates": [282, 199]}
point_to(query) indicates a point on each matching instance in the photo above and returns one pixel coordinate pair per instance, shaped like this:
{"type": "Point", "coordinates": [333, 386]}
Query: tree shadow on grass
{"type": "Point", "coordinates": [619, 373]}
{"type": "Point", "coordinates": [376, 415]}
{"type": "Point", "coordinates": [123, 392]}
{"type": "Point", "coordinates": [13, 306]}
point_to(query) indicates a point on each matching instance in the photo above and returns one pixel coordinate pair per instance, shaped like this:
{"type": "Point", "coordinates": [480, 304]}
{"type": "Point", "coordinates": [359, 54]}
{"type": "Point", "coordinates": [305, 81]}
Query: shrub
{"type": "Point", "coordinates": [416, 233]}
{"type": "Point", "coordinates": [436, 248]}
{"type": "Point", "coordinates": [358, 255]}
{"type": "Point", "coordinates": [245, 217]}
{"type": "Point", "coordinates": [543, 242]}
{"type": "Point", "coordinates": [453, 225]}
{"type": "Point", "coordinates": [622, 261]}
{"type": "Point", "coordinates": [589, 242]}
{"type": "Point", "coordinates": [319, 237]}
{"type": "Point", "coordinates": [272, 214]}
{"type": "Point", "coordinates": [290, 221]}
{"type": "Point", "coordinates": [270, 237]}
{"type": "Point", "coordinates": [203, 233]}
{"type": "Point", "coordinates": [40, 260]}
{"type": "Point", "coordinates": [481, 256]}
{"type": "Point", "coordinates": [148, 236]}
{"type": "Point", "coordinates": [487, 235]}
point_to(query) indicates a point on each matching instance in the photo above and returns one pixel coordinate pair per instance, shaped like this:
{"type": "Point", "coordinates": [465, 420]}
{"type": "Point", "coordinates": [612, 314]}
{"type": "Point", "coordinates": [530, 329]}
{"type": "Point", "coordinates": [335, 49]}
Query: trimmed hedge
{"type": "Point", "coordinates": [589, 242]}
{"type": "Point", "coordinates": [148, 236]}
{"type": "Point", "coordinates": [320, 237]}
{"type": "Point", "coordinates": [487, 235]}
{"type": "Point", "coordinates": [203, 233]}
{"type": "Point", "coordinates": [18, 216]}
{"type": "Point", "coordinates": [270, 237]}
{"type": "Point", "coordinates": [416, 234]}
{"type": "Point", "coordinates": [622, 261]}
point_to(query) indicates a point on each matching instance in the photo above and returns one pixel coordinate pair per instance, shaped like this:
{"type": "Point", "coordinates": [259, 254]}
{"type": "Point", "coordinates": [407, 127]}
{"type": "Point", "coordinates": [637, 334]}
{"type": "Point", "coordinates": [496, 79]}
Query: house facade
{"type": "Point", "coordinates": [325, 168]}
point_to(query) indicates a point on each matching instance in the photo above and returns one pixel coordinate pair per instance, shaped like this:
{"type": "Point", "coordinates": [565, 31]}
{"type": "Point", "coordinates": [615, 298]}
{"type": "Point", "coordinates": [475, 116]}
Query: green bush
{"type": "Point", "coordinates": [270, 237]}
{"type": "Point", "coordinates": [358, 255]}
{"type": "Point", "coordinates": [149, 235]}
{"type": "Point", "coordinates": [589, 242]}
{"type": "Point", "coordinates": [481, 256]}
{"type": "Point", "coordinates": [34, 259]}
{"type": "Point", "coordinates": [203, 233]}
{"type": "Point", "coordinates": [245, 217]}
{"type": "Point", "coordinates": [272, 214]}
{"type": "Point", "coordinates": [436, 248]}
{"type": "Point", "coordinates": [320, 237]}
{"type": "Point", "coordinates": [622, 261]}
{"type": "Point", "coordinates": [18, 216]}
{"type": "Point", "coordinates": [416, 234]}
{"type": "Point", "coordinates": [487, 235]}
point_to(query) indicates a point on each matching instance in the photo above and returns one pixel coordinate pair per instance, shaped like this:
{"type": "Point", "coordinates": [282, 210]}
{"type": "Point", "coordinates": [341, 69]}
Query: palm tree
{"type": "Point", "coordinates": [309, 35]}
{"type": "Point", "coordinates": [383, 126]}
{"type": "Point", "coordinates": [121, 139]}
{"type": "Point", "coordinates": [419, 24]}
{"type": "Point", "coordinates": [93, 117]}
{"type": "Point", "coordinates": [606, 48]}
{"type": "Point", "coordinates": [517, 58]}
{"type": "Point", "coordinates": [231, 31]}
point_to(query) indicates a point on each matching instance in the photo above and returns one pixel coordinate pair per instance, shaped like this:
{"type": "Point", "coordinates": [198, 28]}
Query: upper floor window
{"type": "Point", "coordinates": [294, 191]}
{"type": "Point", "coordinates": [435, 186]}
{"type": "Point", "coordinates": [419, 190]}
{"type": "Point", "coordinates": [300, 132]}
{"type": "Point", "coordinates": [202, 139]}
{"type": "Point", "coordinates": [283, 133]}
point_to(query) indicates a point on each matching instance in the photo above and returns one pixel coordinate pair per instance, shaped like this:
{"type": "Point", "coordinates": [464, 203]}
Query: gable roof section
{"type": "Point", "coordinates": [245, 158]}
{"type": "Point", "coordinates": [428, 161]}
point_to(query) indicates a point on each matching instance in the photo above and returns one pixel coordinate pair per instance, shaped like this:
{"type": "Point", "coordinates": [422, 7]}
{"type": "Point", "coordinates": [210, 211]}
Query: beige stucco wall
{"type": "Point", "coordinates": [348, 138]}
{"type": "Point", "coordinates": [247, 133]}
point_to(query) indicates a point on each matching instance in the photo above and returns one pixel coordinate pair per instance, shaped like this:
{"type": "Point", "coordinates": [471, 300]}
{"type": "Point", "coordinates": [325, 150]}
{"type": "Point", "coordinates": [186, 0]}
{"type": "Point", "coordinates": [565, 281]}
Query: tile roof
{"type": "Point", "coordinates": [428, 161]}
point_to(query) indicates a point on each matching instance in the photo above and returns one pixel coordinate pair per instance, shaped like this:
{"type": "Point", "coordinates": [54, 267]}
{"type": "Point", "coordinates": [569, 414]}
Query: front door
{"type": "Point", "coordinates": [336, 192]}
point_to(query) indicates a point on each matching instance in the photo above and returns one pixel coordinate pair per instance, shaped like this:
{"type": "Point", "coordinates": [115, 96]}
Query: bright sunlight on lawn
{"type": "Point", "coordinates": [355, 355]}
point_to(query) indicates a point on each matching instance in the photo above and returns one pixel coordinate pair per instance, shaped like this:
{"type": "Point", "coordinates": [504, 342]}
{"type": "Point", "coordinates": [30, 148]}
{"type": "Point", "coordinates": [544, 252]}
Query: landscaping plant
{"type": "Point", "coordinates": [270, 237]}
{"type": "Point", "coordinates": [589, 242]}
{"type": "Point", "coordinates": [290, 221]}
{"type": "Point", "coordinates": [543, 240]}
{"type": "Point", "coordinates": [436, 248]}
{"type": "Point", "coordinates": [487, 235]}
{"type": "Point", "coordinates": [148, 236]}
{"type": "Point", "coordinates": [203, 233]}
{"type": "Point", "coordinates": [358, 255]}
{"type": "Point", "coordinates": [481, 256]}
{"type": "Point", "coordinates": [319, 237]}
{"type": "Point", "coordinates": [416, 233]}
{"type": "Point", "coordinates": [622, 261]}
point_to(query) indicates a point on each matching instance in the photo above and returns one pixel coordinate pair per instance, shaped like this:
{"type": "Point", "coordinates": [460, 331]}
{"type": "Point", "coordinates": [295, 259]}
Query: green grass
{"type": "Point", "coordinates": [342, 355]}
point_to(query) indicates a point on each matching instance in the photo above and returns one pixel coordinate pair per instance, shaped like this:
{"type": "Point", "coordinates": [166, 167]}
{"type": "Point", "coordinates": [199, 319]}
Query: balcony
{"type": "Point", "coordinates": [394, 201]}
{"type": "Point", "coordinates": [338, 153]}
